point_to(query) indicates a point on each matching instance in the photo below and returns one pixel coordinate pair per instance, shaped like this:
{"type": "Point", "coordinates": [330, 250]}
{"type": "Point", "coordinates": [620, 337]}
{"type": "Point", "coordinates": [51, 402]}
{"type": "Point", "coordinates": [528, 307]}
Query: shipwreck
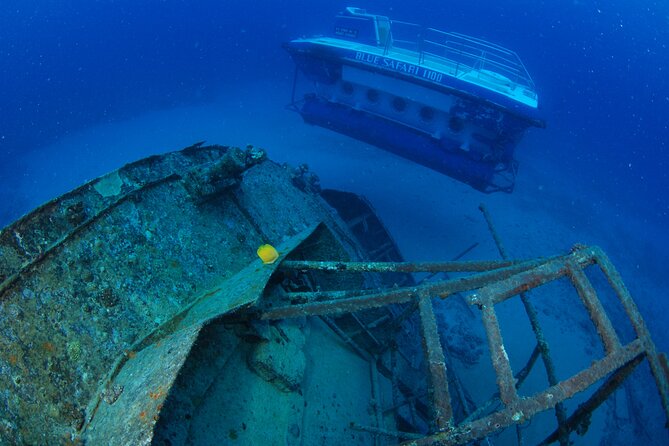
{"type": "Point", "coordinates": [135, 310]}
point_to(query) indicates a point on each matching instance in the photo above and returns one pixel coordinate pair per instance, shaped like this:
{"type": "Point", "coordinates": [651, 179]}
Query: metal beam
{"type": "Point", "coordinates": [332, 302]}
{"type": "Point", "coordinates": [436, 365]}
{"type": "Point", "coordinates": [397, 267]}
{"type": "Point", "coordinates": [526, 408]}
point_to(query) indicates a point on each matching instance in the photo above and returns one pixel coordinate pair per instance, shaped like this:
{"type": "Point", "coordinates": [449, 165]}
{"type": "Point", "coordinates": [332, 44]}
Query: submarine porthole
{"type": "Point", "coordinates": [372, 95]}
{"type": "Point", "coordinates": [456, 124]}
{"type": "Point", "coordinates": [347, 88]}
{"type": "Point", "coordinates": [426, 114]}
{"type": "Point", "coordinates": [399, 104]}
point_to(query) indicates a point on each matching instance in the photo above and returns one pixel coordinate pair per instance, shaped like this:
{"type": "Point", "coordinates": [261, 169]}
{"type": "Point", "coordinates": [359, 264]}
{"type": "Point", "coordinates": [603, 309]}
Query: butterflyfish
{"type": "Point", "coordinates": [267, 253]}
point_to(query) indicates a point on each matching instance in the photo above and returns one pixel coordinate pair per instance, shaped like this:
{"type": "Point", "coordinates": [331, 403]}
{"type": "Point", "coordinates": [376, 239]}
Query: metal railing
{"type": "Point", "coordinates": [488, 284]}
{"type": "Point", "coordinates": [461, 53]}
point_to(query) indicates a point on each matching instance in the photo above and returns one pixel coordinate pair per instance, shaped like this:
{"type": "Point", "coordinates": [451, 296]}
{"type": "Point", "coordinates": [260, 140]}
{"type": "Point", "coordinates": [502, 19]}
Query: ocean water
{"type": "Point", "coordinates": [86, 87]}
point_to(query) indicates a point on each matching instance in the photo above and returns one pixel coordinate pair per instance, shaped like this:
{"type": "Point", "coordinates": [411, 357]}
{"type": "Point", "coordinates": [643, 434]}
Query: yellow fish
{"type": "Point", "coordinates": [267, 253]}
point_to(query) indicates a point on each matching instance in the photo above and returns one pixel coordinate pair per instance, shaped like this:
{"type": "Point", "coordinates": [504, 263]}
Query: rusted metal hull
{"type": "Point", "coordinates": [104, 290]}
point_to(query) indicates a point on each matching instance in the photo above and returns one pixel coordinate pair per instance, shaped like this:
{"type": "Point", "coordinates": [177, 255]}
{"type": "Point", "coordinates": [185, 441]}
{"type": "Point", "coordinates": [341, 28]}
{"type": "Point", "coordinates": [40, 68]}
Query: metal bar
{"type": "Point", "coordinates": [520, 378]}
{"type": "Point", "coordinates": [376, 397]}
{"type": "Point", "coordinates": [639, 325]}
{"type": "Point", "coordinates": [405, 393]}
{"type": "Point", "coordinates": [616, 282]}
{"type": "Point", "coordinates": [493, 231]}
{"type": "Point", "coordinates": [397, 395]}
{"type": "Point", "coordinates": [500, 360]}
{"type": "Point", "coordinates": [379, 321]}
{"type": "Point", "coordinates": [313, 296]}
{"type": "Point", "coordinates": [387, 433]}
{"type": "Point", "coordinates": [350, 342]}
{"type": "Point", "coordinates": [436, 364]}
{"type": "Point", "coordinates": [582, 414]}
{"type": "Point", "coordinates": [544, 349]}
{"type": "Point", "coordinates": [364, 300]}
{"type": "Point", "coordinates": [466, 251]}
{"type": "Point", "coordinates": [518, 285]}
{"type": "Point", "coordinates": [526, 408]}
{"type": "Point", "coordinates": [399, 388]}
{"type": "Point", "coordinates": [397, 323]}
{"type": "Point", "coordinates": [595, 309]}
{"type": "Point", "coordinates": [407, 401]}
{"type": "Point", "coordinates": [519, 436]}
{"type": "Point", "coordinates": [525, 371]}
{"type": "Point", "coordinates": [365, 330]}
{"type": "Point", "coordinates": [336, 306]}
{"type": "Point", "coordinates": [398, 267]}
{"type": "Point", "coordinates": [454, 259]}
{"type": "Point", "coordinates": [459, 391]}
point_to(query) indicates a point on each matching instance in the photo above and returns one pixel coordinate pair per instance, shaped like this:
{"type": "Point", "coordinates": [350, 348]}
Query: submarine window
{"type": "Point", "coordinates": [456, 124]}
{"type": "Point", "coordinates": [372, 95]}
{"type": "Point", "coordinates": [399, 104]}
{"type": "Point", "coordinates": [347, 88]}
{"type": "Point", "coordinates": [427, 114]}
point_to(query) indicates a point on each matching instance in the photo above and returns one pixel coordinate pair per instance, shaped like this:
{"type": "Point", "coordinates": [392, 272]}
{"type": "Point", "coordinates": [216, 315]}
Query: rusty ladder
{"type": "Point", "coordinates": [490, 283]}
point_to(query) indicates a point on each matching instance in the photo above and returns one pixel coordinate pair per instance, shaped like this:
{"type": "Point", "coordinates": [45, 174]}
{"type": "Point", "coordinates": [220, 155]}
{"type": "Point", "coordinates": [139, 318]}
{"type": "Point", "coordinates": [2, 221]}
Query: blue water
{"type": "Point", "coordinates": [87, 86]}
{"type": "Point", "coordinates": [600, 69]}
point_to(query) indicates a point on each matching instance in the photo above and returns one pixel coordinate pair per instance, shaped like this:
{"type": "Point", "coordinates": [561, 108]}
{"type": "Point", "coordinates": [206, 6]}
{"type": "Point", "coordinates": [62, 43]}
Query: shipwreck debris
{"type": "Point", "coordinates": [490, 288]}
{"type": "Point", "coordinates": [108, 292]}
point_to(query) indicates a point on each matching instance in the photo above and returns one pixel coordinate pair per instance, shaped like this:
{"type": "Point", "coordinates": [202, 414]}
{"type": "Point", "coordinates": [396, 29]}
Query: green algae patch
{"type": "Point", "coordinates": [109, 185]}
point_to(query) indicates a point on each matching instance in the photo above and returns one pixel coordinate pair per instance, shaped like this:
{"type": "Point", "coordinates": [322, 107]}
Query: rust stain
{"type": "Point", "coordinates": [156, 395]}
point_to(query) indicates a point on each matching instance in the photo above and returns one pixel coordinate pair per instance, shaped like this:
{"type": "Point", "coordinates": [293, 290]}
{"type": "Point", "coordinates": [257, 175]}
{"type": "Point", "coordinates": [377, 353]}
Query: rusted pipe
{"type": "Point", "coordinates": [385, 432]}
{"type": "Point", "coordinates": [436, 365]}
{"type": "Point", "coordinates": [526, 408]}
{"type": "Point", "coordinates": [500, 360]}
{"type": "Point", "coordinates": [382, 297]}
{"type": "Point", "coordinates": [520, 379]}
{"type": "Point", "coordinates": [396, 267]}
{"type": "Point", "coordinates": [584, 411]}
{"type": "Point", "coordinates": [595, 309]}
{"type": "Point", "coordinates": [493, 231]}
{"type": "Point", "coordinates": [616, 282]}
{"type": "Point", "coordinates": [350, 342]}
{"type": "Point", "coordinates": [376, 397]}
{"type": "Point", "coordinates": [546, 273]}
